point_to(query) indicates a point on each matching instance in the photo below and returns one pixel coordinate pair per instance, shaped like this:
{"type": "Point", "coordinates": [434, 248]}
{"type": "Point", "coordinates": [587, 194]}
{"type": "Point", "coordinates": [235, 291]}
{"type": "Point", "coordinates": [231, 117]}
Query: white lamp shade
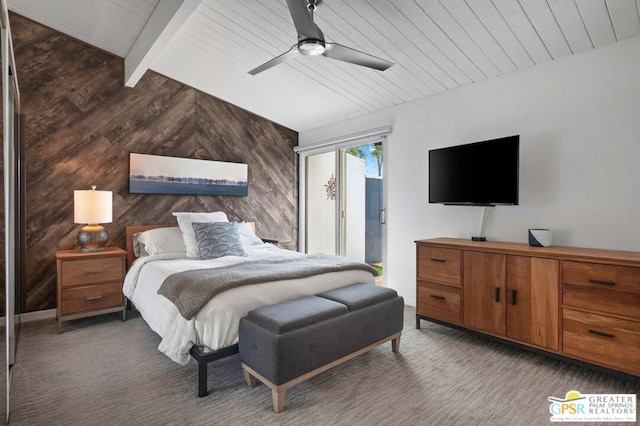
{"type": "Point", "coordinates": [92, 207]}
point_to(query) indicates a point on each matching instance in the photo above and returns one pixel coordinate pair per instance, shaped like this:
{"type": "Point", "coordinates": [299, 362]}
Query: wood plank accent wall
{"type": "Point", "coordinates": [82, 123]}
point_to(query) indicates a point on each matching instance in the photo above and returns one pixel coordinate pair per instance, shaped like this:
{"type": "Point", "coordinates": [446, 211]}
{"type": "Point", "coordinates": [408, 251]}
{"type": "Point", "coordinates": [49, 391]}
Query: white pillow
{"type": "Point", "coordinates": [138, 247]}
{"type": "Point", "coordinates": [185, 220]}
{"type": "Point", "coordinates": [162, 240]}
{"type": "Point", "coordinates": [247, 236]}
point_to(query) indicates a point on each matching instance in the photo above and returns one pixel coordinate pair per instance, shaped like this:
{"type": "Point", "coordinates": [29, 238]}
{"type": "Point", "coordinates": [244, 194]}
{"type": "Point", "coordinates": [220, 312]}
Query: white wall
{"type": "Point", "coordinates": [579, 124]}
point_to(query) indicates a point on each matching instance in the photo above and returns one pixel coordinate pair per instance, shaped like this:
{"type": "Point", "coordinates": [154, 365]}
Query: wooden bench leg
{"type": "Point", "coordinates": [278, 399]}
{"type": "Point", "coordinates": [395, 345]}
{"type": "Point", "coordinates": [277, 391]}
{"type": "Point", "coordinates": [251, 381]}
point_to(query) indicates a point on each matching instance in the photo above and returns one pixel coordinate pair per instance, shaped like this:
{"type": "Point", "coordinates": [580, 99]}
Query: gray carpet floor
{"type": "Point", "coordinates": [103, 371]}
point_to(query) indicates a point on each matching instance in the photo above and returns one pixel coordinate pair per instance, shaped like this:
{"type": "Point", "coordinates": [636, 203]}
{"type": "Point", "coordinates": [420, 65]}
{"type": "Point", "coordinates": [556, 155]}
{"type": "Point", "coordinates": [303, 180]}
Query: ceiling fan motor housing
{"type": "Point", "coordinates": [311, 47]}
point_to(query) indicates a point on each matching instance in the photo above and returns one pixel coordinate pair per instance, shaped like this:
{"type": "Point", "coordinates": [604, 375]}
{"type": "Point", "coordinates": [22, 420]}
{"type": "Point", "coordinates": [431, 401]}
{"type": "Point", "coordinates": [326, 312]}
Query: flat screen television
{"type": "Point", "coordinates": [482, 173]}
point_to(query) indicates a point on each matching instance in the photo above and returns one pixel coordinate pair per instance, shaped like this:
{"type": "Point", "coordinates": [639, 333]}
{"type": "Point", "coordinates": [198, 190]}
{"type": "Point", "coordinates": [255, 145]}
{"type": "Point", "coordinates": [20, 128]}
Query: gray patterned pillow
{"type": "Point", "coordinates": [218, 239]}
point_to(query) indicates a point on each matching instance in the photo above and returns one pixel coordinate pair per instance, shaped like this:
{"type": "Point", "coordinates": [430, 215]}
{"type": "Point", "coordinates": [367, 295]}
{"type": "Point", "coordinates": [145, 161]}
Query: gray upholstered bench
{"type": "Point", "coordinates": [284, 344]}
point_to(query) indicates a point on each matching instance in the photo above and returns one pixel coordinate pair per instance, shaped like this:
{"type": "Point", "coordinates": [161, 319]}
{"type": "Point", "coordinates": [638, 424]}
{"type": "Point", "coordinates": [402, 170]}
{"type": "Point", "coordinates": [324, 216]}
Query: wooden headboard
{"type": "Point", "coordinates": [132, 229]}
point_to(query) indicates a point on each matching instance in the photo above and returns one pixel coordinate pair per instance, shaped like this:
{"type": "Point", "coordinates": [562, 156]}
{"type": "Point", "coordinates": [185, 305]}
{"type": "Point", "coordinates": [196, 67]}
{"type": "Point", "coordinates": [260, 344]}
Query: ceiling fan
{"type": "Point", "coordinates": [311, 42]}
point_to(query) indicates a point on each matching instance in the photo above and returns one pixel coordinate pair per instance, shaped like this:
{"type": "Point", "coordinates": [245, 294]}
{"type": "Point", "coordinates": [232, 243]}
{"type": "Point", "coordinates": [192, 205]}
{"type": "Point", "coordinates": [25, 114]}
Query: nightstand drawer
{"type": "Point", "coordinates": [439, 265]}
{"type": "Point", "coordinates": [606, 288]}
{"type": "Point", "coordinates": [611, 342]}
{"type": "Point", "coordinates": [439, 302]}
{"type": "Point", "coordinates": [91, 298]}
{"type": "Point", "coordinates": [88, 271]}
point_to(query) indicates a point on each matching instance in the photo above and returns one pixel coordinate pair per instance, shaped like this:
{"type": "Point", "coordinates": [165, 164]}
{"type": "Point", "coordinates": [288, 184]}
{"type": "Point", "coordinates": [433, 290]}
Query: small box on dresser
{"type": "Point", "coordinates": [89, 283]}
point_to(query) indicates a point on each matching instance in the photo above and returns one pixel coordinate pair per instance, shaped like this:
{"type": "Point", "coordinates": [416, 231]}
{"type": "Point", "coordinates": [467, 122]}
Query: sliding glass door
{"type": "Point", "coordinates": [320, 204]}
{"type": "Point", "coordinates": [12, 245]}
{"type": "Point", "coordinates": [344, 210]}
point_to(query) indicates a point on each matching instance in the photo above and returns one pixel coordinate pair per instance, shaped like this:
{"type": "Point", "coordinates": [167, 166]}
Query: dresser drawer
{"type": "Point", "coordinates": [439, 265]}
{"type": "Point", "coordinates": [88, 271]}
{"type": "Point", "coordinates": [606, 288]}
{"type": "Point", "coordinates": [91, 298]}
{"type": "Point", "coordinates": [611, 342]}
{"type": "Point", "coordinates": [439, 301]}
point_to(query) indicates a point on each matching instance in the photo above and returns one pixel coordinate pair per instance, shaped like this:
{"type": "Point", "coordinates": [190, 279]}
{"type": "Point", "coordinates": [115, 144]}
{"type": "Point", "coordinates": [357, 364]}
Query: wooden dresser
{"type": "Point", "coordinates": [89, 283]}
{"type": "Point", "coordinates": [577, 303]}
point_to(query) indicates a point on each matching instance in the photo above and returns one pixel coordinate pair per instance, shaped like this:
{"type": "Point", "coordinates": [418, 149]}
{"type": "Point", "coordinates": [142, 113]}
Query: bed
{"type": "Point", "coordinates": [212, 333]}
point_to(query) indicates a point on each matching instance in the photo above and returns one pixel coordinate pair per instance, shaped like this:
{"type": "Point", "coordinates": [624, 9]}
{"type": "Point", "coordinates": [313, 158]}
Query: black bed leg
{"type": "Point", "coordinates": [418, 322]}
{"type": "Point", "coordinates": [204, 358]}
{"type": "Point", "coordinates": [202, 378]}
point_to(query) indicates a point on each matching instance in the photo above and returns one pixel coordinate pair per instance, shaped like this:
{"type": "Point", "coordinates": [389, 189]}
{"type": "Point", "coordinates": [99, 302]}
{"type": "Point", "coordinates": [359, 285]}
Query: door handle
{"type": "Point", "coordinates": [437, 296]}
{"type": "Point", "coordinates": [497, 294]}
{"type": "Point", "coordinates": [381, 217]}
{"type": "Point", "coordinates": [513, 297]}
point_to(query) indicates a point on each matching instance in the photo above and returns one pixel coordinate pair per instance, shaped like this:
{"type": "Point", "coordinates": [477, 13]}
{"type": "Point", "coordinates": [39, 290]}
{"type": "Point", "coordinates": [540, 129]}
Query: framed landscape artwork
{"type": "Point", "coordinates": [157, 174]}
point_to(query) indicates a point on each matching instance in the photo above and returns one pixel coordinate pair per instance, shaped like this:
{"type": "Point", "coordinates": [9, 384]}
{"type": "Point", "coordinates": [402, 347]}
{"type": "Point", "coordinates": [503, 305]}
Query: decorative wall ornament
{"type": "Point", "coordinates": [330, 187]}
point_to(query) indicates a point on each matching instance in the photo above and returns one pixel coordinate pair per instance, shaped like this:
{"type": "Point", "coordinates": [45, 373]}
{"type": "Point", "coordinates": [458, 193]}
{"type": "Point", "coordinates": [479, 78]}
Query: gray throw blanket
{"type": "Point", "coordinates": [191, 290]}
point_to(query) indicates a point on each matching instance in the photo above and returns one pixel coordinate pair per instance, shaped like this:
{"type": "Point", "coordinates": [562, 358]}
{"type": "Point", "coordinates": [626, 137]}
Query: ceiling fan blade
{"type": "Point", "coordinates": [347, 54]}
{"type": "Point", "coordinates": [291, 53]}
{"type": "Point", "coordinates": [303, 20]}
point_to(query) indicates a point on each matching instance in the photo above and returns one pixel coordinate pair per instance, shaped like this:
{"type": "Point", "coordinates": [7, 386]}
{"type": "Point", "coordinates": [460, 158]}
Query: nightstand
{"type": "Point", "coordinates": [277, 241]}
{"type": "Point", "coordinates": [90, 283]}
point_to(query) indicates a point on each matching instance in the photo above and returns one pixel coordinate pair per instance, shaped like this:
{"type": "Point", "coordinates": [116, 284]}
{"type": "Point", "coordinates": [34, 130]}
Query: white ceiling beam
{"type": "Point", "coordinates": [166, 20]}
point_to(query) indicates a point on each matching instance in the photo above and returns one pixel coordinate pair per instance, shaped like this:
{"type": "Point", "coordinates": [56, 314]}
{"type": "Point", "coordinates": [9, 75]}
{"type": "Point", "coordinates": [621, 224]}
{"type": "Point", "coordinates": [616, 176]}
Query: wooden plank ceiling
{"type": "Point", "coordinates": [436, 45]}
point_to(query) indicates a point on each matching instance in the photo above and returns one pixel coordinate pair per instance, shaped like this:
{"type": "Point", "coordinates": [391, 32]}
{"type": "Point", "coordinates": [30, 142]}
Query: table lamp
{"type": "Point", "coordinates": [92, 207]}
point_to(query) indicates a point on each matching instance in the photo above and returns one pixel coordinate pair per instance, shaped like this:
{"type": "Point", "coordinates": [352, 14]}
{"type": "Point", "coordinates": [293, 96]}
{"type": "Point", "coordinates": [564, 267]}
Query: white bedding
{"type": "Point", "coordinates": [216, 325]}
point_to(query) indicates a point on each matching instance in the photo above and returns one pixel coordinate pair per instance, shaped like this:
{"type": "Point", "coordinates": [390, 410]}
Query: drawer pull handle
{"type": "Point", "coordinates": [437, 296]}
{"type": "Point", "coordinates": [497, 295]}
{"type": "Point", "coordinates": [601, 333]}
{"type": "Point", "coordinates": [93, 271]}
{"type": "Point", "coordinates": [437, 259]}
{"type": "Point", "coordinates": [603, 282]}
{"type": "Point", "coordinates": [90, 298]}
{"type": "Point", "coordinates": [513, 297]}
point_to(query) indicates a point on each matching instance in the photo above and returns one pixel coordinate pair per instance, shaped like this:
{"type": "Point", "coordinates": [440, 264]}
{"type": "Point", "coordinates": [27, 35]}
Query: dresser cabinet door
{"type": "Point", "coordinates": [532, 300]}
{"type": "Point", "coordinates": [484, 291]}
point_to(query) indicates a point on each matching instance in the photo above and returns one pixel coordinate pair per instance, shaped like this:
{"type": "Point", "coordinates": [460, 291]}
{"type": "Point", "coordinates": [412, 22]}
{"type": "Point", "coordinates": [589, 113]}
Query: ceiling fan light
{"type": "Point", "coordinates": [311, 47]}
